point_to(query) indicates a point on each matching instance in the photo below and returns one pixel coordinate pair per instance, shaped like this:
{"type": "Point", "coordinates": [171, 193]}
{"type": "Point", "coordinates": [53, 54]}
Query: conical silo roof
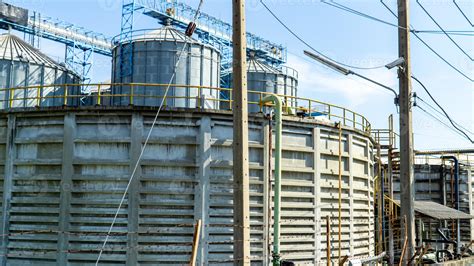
{"type": "Point", "coordinates": [15, 49]}
{"type": "Point", "coordinates": [168, 33]}
{"type": "Point", "coordinates": [256, 66]}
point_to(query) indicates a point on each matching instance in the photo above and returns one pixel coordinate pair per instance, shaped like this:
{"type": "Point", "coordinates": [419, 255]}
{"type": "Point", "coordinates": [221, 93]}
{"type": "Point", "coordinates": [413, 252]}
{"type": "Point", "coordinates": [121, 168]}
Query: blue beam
{"type": "Point", "coordinates": [57, 38]}
{"type": "Point", "coordinates": [210, 30]}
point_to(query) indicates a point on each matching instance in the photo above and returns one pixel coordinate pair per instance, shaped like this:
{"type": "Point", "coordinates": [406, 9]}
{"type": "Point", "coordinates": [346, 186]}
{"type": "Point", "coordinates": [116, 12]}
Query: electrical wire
{"type": "Point", "coordinates": [439, 112]}
{"type": "Point", "coordinates": [429, 47]}
{"type": "Point", "coordinates": [442, 58]}
{"type": "Point", "coordinates": [147, 138]}
{"type": "Point", "coordinates": [353, 11]}
{"type": "Point", "coordinates": [308, 45]}
{"type": "Point", "coordinates": [440, 121]}
{"type": "Point", "coordinates": [442, 109]}
{"type": "Point", "coordinates": [444, 31]}
{"type": "Point", "coordinates": [462, 12]}
{"type": "Point", "coordinates": [449, 32]}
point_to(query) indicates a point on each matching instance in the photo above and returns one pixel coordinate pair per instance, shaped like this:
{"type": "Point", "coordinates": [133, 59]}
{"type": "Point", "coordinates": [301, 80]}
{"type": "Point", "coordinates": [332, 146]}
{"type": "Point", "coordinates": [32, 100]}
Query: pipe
{"type": "Point", "coordinates": [278, 139]}
{"type": "Point", "coordinates": [442, 152]}
{"type": "Point", "coordinates": [456, 191]}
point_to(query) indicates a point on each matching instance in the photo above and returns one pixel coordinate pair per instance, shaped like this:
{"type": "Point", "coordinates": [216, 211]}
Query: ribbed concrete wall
{"type": "Point", "coordinates": [64, 174]}
{"type": "Point", "coordinates": [430, 181]}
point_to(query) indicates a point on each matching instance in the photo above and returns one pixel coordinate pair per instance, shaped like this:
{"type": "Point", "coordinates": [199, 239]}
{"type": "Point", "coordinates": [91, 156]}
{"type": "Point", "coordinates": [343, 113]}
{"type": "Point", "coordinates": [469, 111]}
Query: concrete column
{"type": "Point", "coordinates": [317, 193]}
{"type": "Point", "coordinates": [351, 193]}
{"type": "Point", "coordinates": [10, 149]}
{"type": "Point", "coordinates": [370, 183]}
{"type": "Point", "coordinates": [201, 195]}
{"type": "Point", "coordinates": [66, 186]}
{"type": "Point", "coordinates": [136, 139]}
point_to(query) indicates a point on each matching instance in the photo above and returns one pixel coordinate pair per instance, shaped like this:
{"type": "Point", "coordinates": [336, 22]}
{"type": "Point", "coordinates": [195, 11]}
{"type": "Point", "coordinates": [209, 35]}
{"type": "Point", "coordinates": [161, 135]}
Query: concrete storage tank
{"type": "Point", "coordinates": [21, 65]}
{"type": "Point", "coordinates": [64, 172]}
{"type": "Point", "coordinates": [154, 58]}
{"type": "Point", "coordinates": [264, 78]}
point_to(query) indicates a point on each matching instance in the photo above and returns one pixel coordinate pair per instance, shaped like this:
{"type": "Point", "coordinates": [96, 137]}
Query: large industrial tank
{"type": "Point", "coordinates": [262, 77]}
{"type": "Point", "coordinates": [154, 56]}
{"type": "Point", "coordinates": [63, 173]}
{"type": "Point", "coordinates": [21, 65]}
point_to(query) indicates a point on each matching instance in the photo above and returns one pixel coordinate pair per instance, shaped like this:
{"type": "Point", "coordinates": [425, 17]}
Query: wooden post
{"type": "Point", "coordinates": [240, 142]}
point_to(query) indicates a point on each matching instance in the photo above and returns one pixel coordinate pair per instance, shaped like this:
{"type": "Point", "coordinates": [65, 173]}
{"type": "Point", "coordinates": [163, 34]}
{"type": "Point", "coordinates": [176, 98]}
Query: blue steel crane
{"type": "Point", "coordinates": [210, 30]}
{"type": "Point", "coordinates": [80, 43]}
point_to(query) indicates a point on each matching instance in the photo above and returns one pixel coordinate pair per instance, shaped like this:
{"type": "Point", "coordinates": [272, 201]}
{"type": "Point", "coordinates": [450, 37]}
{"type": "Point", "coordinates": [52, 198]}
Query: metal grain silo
{"type": "Point", "coordinates": [154, 56]}
{"type": "Point", "coordinates": [21, 65]}
{"type": "Point", "coordinates": [264, 78]}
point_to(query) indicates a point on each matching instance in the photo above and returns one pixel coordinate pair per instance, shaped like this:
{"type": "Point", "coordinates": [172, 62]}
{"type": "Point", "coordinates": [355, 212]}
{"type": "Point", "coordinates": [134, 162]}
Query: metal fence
{"type": "Point", "coordinates": [61, 95]}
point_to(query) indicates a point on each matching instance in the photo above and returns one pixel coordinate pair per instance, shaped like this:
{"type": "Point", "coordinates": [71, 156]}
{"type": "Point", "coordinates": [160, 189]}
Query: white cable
{"type": "Point", "coordinates": [146, 141]}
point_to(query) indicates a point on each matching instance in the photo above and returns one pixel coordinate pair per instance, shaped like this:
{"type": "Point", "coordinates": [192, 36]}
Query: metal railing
{"type": "Point", "coordinates": [385, 137]}
{"type": "Point", "coordinates": [70, 95]}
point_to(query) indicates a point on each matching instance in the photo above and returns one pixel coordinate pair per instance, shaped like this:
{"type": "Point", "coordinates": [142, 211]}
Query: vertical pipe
{"type": "Point", "coordinates": [382, 208]}
{"type": "Point", "coordinates": [66, 95]}
{"type": "Point", "coordinates": [456, 202]}
{"type": "Point", "coordinates": [391, 248]}
{"type": "Point", "coordinates": [98, 95]}
{"type": "Point", "coordinates": [270, 172]}
{"type": "Point", "coordinates": [278, 140]}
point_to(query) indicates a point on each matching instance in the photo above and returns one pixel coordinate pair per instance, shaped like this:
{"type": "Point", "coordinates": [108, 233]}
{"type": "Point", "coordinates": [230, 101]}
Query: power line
{"type": "Point", "coordinates": [449, 32]}
{"type": "Point", "coordinates": [462, 12]}
{"type": "Point", "coordinates": [442, 29]}
{"type": "Point", "coordinates": [353, 11]}
{"type": "Point", "coordinates": [147, 138]}
{"type": "Point", "coordinates": [439, 112]}
{"type": "Point", "coordinates": [442, 58]}
{"type": "Point", "coordinates": [429, 47]}
{"type": "Point", "coordinates": [440, 121]}
{"type": "Point", "coordinates": [308, 45]}
{"type": "Point", "coordinates": [442, 109]}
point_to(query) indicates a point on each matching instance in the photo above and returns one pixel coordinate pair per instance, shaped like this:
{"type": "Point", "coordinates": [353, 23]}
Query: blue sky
{"type": "Point", "coordinates": [348, 38]}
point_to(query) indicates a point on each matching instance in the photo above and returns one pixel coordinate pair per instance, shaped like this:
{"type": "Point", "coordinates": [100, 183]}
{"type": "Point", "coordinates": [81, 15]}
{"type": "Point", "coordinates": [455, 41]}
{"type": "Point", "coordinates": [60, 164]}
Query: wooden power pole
{"type": "Point", "coordinates": [406, 129]}
{"type": "Point", "coordinates": [240, 143]}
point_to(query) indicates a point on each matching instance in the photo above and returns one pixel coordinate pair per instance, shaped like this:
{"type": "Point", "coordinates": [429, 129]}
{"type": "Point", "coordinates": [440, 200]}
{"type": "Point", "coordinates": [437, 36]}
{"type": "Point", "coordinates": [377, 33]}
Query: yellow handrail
{"type": "Point", "coordinates": [71, 91]}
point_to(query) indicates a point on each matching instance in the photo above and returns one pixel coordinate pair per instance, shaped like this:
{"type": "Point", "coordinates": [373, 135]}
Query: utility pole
{"type": "Point", "coordinates": [406, 129]}
{"type": "Point", "coordinates": [240, 143]}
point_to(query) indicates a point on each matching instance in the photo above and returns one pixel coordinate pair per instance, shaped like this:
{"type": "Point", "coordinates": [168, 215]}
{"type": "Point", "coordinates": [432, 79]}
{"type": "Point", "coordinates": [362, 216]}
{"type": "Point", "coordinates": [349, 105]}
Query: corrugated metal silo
{"type": "Point", "coordinates": [21, 65]}
{"type": "Point", "coordinates": [264, 78]}
{"type": "Point", "coordinates": [155, 55]}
